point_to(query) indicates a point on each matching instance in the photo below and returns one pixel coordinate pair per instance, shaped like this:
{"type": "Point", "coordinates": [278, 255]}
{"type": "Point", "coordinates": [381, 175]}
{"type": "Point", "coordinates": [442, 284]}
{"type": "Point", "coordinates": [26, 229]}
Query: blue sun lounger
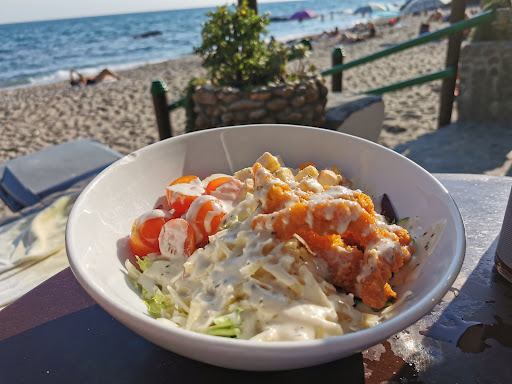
{"type": "Point", "coordinates": [28, 180]}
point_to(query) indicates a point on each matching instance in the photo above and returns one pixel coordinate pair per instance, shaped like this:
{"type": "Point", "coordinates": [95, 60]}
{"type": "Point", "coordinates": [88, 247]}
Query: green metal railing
{"type": "Point", "coordinates": [177, 104]}
{"type": "Point", "coordinates": [485, 17]}
{"type": "Point", "coordinates": [444, 74]}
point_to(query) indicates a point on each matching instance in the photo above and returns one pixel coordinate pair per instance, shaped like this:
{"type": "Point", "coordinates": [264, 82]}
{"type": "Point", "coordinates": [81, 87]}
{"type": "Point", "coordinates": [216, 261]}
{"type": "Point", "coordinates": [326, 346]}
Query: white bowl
{"type": "Point", "coordinates": [101, 220]}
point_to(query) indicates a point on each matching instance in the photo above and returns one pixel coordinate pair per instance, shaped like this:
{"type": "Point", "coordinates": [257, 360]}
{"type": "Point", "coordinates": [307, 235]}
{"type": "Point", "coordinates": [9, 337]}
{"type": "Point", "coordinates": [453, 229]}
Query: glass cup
{"type": "Point", "coordinates": [503, 255]}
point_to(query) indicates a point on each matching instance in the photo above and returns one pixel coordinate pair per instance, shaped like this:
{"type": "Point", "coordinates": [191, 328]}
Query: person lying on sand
{"type": "Point", "coordinates": [334, 33]}
{"type": "Point", "coordinates": [89, 80]}
{"type": "Point", "coordinates": [371, 32]}
{"type": "Point", "coordinates": [350, 38]}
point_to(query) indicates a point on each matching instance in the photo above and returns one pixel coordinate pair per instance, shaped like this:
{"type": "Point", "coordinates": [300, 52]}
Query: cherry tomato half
{"type": "Point", "coordinates": [138, 246]}
{"type": "Point", "coordinates": [205, 215]}
{"type": "Point", "coordinates": [150, 230]}
{"type": "Point", "coordinates": [145, 232]}
{"type": "Point", "coordinates": [227, 188]}
{"type": "Point", "coordinates": [177, 238]}
{"type": "Point", "coordinates": [182, 192]}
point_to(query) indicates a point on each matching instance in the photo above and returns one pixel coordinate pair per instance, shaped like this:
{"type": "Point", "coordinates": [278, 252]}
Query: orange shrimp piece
{"type": "Point", "coordinates": [365, 202]}
{"type": "Point", "coordinates": [277, 193]}
{"type": "Point", "coordinates": [403, 237]}
{"type": "Point", "coordinates": [343, 261]}
{"type": "Point", "coordinates": [323, 217]}
{"type": "Point", "coordinates": [341, 228]}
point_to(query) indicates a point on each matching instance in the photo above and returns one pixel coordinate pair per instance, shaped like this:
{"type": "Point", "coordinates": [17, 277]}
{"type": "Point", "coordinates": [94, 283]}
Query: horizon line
{"type": "Point", "coordinates": [226, 2]}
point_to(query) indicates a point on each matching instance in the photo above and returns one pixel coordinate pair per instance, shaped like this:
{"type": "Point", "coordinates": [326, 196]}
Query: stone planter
{"type": "Point", "coordinates": [300, 102]}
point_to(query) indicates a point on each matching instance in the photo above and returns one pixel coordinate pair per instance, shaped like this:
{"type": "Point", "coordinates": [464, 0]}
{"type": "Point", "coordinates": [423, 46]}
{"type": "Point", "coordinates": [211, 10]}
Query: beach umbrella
{"type": "Point", "coordinates": [304, 14]}
{"type": "Point", "coordinates": [416, 6]}
{"type": "Point", "coordinates": [371, 7]}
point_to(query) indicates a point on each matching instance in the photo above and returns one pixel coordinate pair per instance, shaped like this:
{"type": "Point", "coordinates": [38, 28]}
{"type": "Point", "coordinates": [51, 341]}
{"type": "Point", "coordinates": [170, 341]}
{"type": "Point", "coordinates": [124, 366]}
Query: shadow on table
{"type": "Point", "coordinates": [461, 148]}
{"type": "Point", "coordinates": [473, 336]}
{"type": "Point", "coordinates": [89, 346]}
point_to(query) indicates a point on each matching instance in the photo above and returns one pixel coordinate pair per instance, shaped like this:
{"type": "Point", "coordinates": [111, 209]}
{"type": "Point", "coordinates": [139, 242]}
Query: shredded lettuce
{"type": "Point", "coordinates": [157, 303]}
{"type": "Point", "coordinates": [359, 303]}
{"type": "Point", "coordinates": [232, 220]}
{"type": "Point", "coordinates": [400, 222]}
{"type": "Point", "coordinates": [143, 263]}
{"type": "Point", "coordinates": [226, 325]}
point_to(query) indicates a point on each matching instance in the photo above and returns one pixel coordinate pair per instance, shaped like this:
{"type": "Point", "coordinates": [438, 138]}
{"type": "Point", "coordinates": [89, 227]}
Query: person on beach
{"type": "Point", "coordinates": [436, 16]}
{"type": "Point", "coordinates": [394, 21]}
{"type": "Point", "coordinates": [372, 31]}
{"type": "Point", "coordinates": [105, 74]}
{"type": "Point", "coordinates": [424, 28]}
{"type": "Point", "coordinates": [334, 33]}
{"type": "Point", "coordinates": [347, 37]}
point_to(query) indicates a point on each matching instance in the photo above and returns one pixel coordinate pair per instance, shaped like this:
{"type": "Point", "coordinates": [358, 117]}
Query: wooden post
{"type": "Point", "coordinates": [452, 61]}
{"type": "Point", "coordinates": [337, 59]}
{"type": "Point", "coordinates": [159, 92]}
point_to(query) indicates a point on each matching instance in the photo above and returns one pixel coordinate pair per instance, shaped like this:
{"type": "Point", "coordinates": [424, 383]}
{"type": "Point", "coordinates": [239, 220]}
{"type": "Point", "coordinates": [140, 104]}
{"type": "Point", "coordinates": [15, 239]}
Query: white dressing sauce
{"type": "Point", "coordinates": [153, 214]}
{"type": "Point", "coordinates": [182, 190]}
{"type": "Point", "coordinates": [228, 191]}
{"type": "Point", "coordinates": [213, 176]}
{"type": "Point", "coordinates": [172, 239]}
{"type": "Point", "coordinates": [191, 215]}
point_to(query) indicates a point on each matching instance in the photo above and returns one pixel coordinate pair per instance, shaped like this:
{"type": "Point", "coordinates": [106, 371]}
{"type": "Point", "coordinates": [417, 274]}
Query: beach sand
{"type": "Point", "coordinates": [120, 114]}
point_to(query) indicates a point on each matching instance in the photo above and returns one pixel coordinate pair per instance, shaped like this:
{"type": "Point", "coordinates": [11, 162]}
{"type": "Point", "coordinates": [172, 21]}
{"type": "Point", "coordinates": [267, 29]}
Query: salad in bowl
{"type": "Point", "coordinates": [265, 247]}
{"type": "Point", "coordinates": [272, 253]}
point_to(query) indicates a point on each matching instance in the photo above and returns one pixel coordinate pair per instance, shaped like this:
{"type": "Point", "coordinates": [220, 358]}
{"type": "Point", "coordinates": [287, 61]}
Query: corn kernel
{"type": "Point", "coordinates": [328, 178]}
{"type": "Point", "coordinates": [269, 162]}
{"type": "Point", "coordinates": [244, 174]}
{"type": "Point", "coordinates": [308, 171]}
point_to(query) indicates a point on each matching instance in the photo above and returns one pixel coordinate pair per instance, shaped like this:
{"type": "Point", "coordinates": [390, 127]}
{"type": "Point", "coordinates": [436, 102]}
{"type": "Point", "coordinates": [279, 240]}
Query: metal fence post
{"type": "Point", "coordinates": [159, 92]}
{"type": "Point", "coordinates": [337, 59]}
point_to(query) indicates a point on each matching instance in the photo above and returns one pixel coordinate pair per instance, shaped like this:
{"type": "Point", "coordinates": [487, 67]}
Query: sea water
{"type": "Point", "coordinates": [42, 52]}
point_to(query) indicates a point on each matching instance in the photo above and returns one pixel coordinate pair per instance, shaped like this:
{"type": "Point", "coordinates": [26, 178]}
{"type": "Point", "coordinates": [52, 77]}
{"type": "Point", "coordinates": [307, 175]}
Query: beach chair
{"type": "Point", "coordinates": [39, 177]}
{"type": "Point", "coordinates": [41, 188]}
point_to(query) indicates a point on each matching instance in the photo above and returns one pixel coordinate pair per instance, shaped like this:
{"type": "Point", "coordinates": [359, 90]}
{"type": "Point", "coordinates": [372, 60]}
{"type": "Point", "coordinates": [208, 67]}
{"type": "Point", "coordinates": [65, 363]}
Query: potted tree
{"type": "Point", "coordinates": [248, 81]}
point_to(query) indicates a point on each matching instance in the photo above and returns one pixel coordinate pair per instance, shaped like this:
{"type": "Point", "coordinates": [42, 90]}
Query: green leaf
{"type": "Point", "coordinates": [226, 325]}
{"type": "Point", "coordinates": [143, 263]}
{"type": "Point", "coordinates": [157, 303]}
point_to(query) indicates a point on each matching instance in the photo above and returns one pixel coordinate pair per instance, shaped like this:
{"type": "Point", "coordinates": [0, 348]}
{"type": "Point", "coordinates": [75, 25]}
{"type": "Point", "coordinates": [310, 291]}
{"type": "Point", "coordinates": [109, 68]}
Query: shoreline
{"type": "Point", "coordinates": [61, 75]}
{"type": "Point", "coordinates": [120, 114]}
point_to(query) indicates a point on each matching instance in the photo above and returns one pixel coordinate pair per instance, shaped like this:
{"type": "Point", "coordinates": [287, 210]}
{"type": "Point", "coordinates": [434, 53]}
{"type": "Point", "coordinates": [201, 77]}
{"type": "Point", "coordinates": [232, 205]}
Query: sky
{"type": "Point", "coordinates": [15, 11]}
